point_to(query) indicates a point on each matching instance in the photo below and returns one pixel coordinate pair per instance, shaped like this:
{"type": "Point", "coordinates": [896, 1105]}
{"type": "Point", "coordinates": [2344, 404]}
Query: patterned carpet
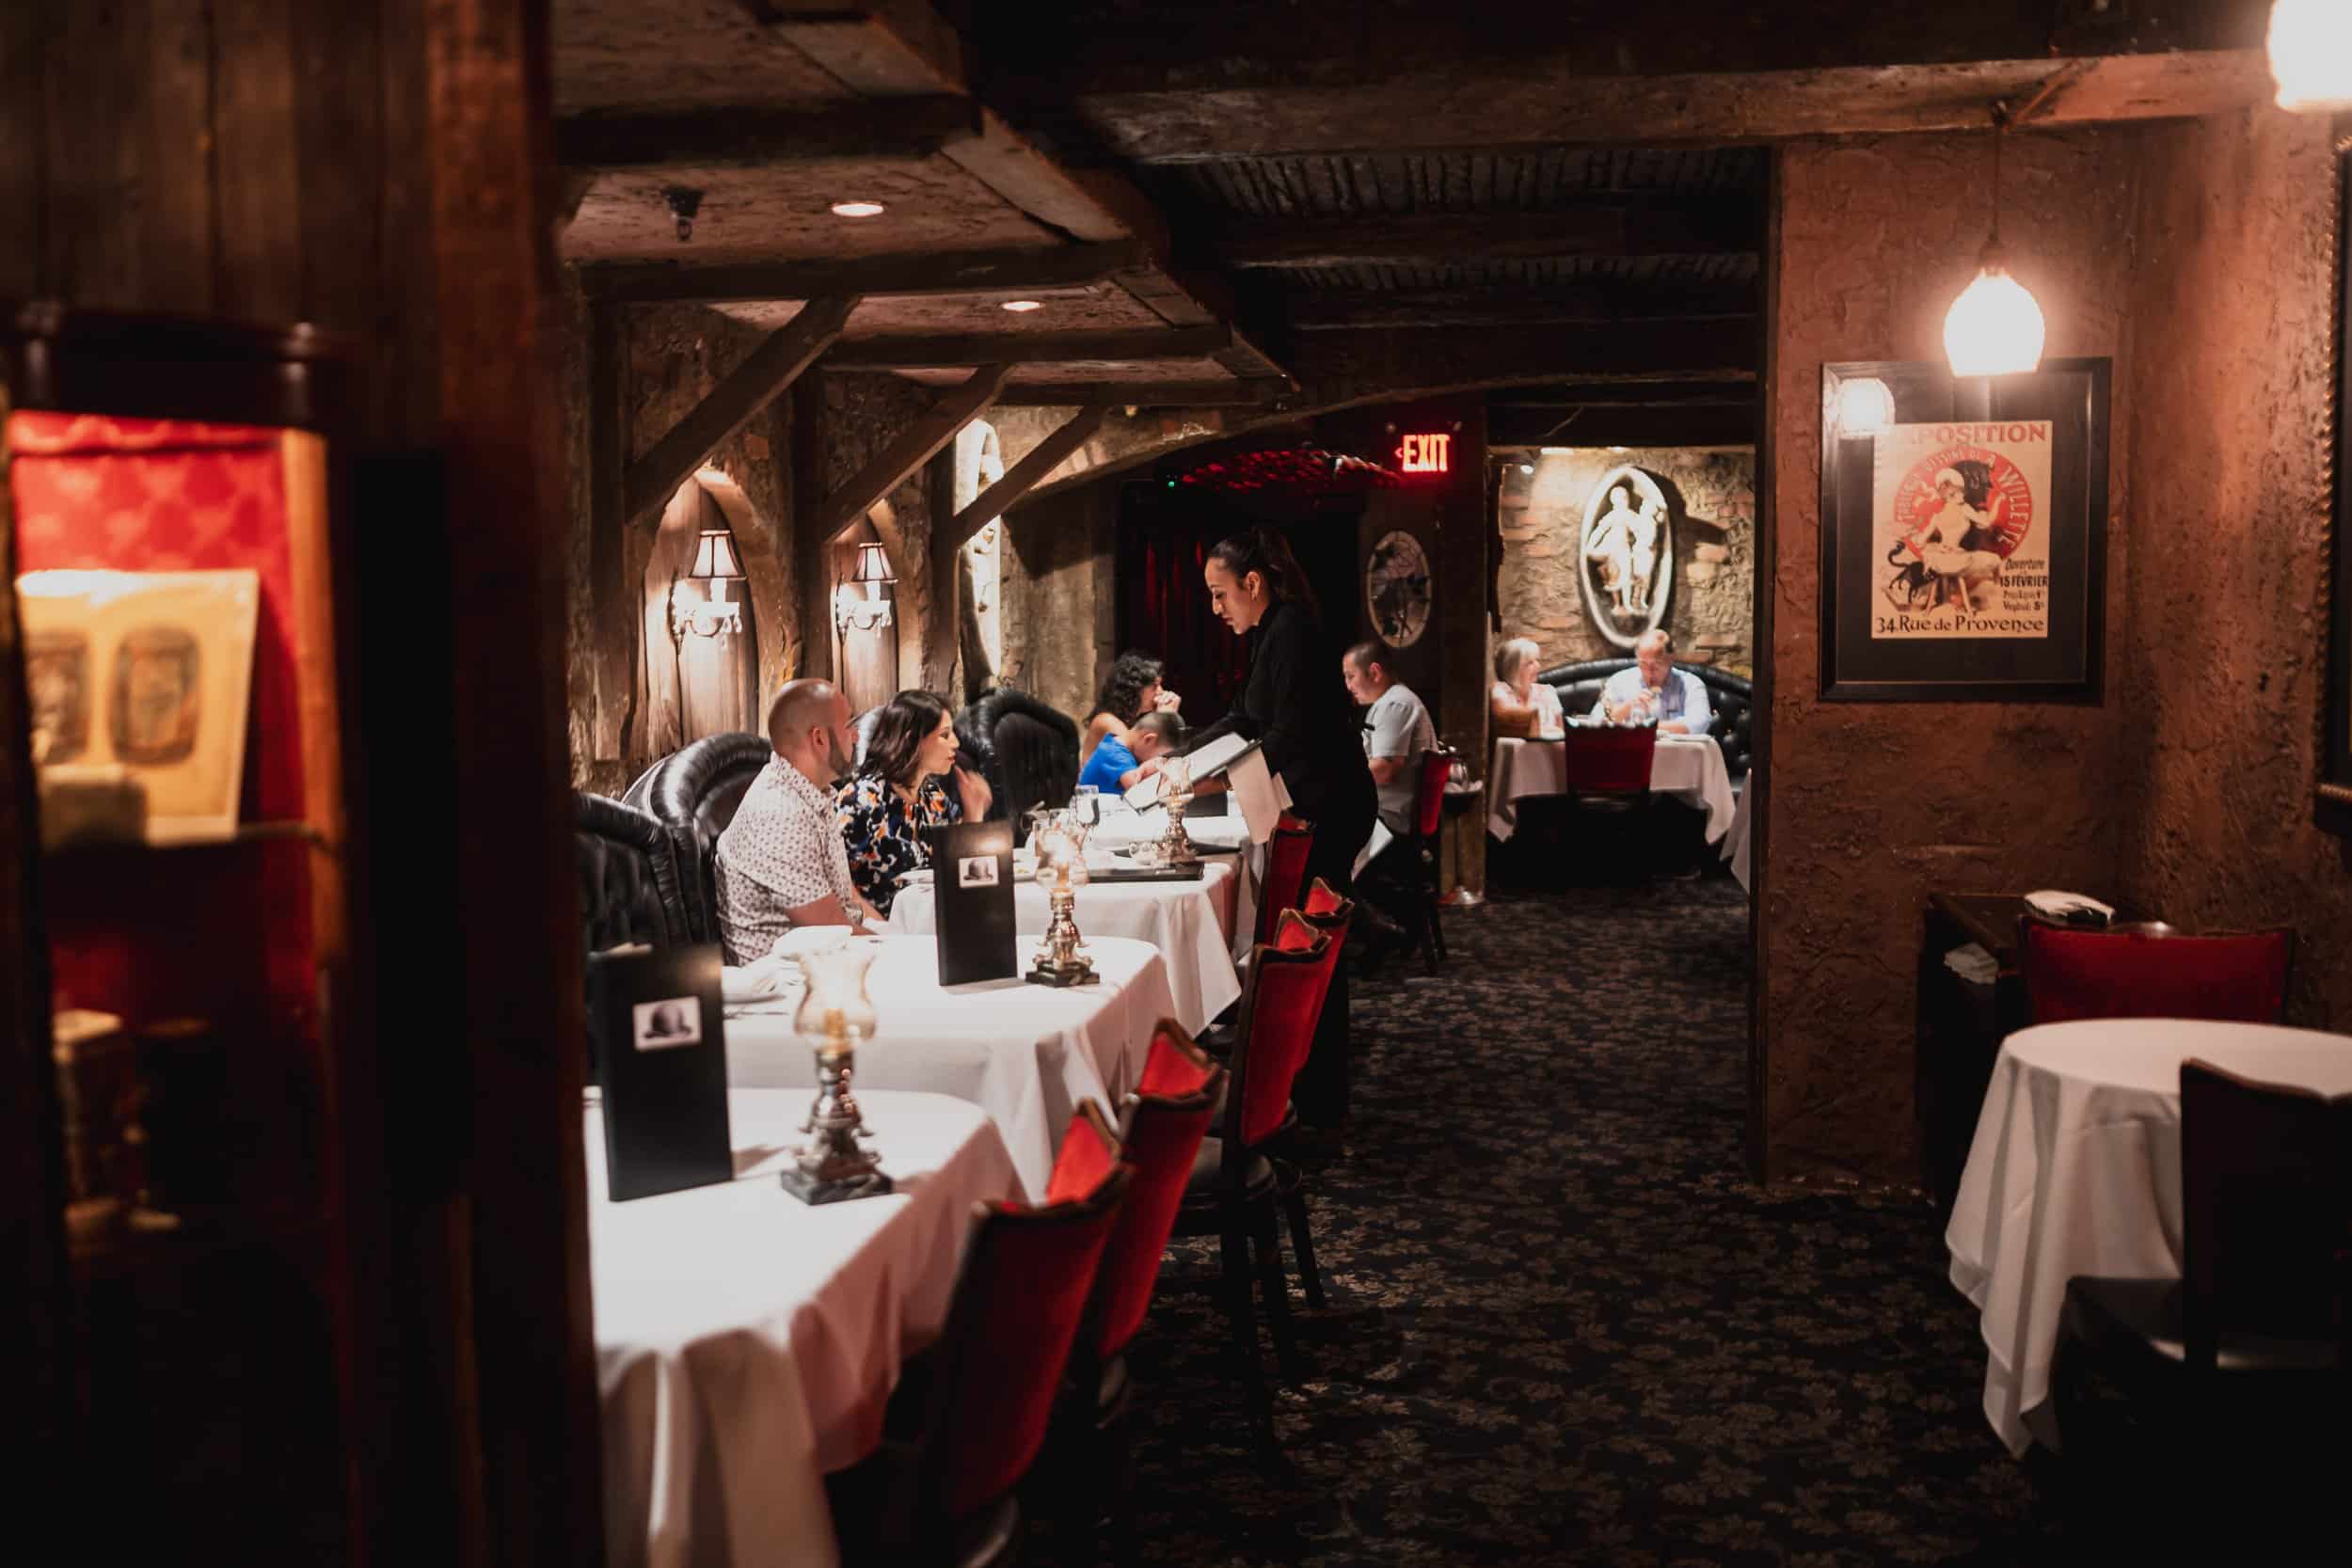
{"type": "Point", "coordinates": [1563, 1325]}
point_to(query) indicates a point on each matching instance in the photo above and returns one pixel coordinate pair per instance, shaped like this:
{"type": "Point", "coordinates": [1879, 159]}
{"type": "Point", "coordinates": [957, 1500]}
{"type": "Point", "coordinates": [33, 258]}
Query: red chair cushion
{"type": "Point", "coordinates": [1320, 901]}
{"type": "Point", "coordinates": [1178, 1096]}
{"type": "Point", "coordinates": [1608, 759]}
{"type": "Point", "coordinates": [1278, 1026]}
{"type": "Point", "coordinates": [2071, 975]}
{"type": "Point", "coordinates": [1089, 1153]}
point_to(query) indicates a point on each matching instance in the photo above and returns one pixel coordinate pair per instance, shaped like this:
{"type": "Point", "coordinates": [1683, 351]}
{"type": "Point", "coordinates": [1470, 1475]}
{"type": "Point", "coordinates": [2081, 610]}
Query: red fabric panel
{"type": "Point", "coordinates": [1163, 1139]}
{"type": "Point", "coordinates": [1032, 1278]}
{"type": "Point", "coordinates": [1429, 814]}
{"type": "Point", "coordinates": [1169, 1072]}
{"type": "Point", "coordinates": [1285, 1001]}
{"type": "Point", "coordinates": [1086, 1157]}
{"type": "Point", "coordinates": [2071, 974]}
{"type": "Point", "coordinates": [1320, 899]}
{"type": "Point", "coordinates": [1604, 757]}
{"type": "Point", "coordinates": [1285, 872]}
{"type": "Point", "coordinates": [223, 926]}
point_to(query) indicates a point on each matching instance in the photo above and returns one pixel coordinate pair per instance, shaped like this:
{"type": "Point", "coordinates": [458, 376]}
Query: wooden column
{"type": "Point", "coordinates": [612, 604]}
{"type": "Point", "coordinates": [812, 549]}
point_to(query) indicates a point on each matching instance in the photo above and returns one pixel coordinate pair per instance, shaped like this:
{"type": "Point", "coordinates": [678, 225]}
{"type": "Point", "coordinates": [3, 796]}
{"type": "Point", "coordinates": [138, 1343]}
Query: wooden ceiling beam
{"type": "Point", "coordinates": [1555, 402]}
{"type": "Point", "coordinates": [1008, 348]}
{"type": "Point", "coordinates": [954, 271]}
{"type": "Point", "coordinates": [1705, 425]}
{"type": "Point", "coordinates": [1023, 477]}
{"type": "Point", "coordinates": [910, 450]}
{"type": "Point", "coordinates": [1646, 351]}
{"type": "Point", "coordinates": [1146, 394]}
{"type": "Point", "coordinates": [1366, 310]}
{"type": "Point", "coordinates": [745, 138]}
{"type": "Point", "coordinates": [772, 367]}
{"type": "Point", "coordinates": [1729, 226]}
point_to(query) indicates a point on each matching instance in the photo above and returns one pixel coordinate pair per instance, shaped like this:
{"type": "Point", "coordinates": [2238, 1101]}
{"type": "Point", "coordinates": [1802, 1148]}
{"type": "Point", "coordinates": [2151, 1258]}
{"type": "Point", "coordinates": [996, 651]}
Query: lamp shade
{"type": "Point", "coordinates": [2310, 54]}
{"type": "Point", "coordinates": [714, 557]}
{"type": "Point", "coordinates": [1865, 405]}
{"type": "Point", "coordinates": [873, 566]}
{"type": "Point", "coordinates": [1994, 328]}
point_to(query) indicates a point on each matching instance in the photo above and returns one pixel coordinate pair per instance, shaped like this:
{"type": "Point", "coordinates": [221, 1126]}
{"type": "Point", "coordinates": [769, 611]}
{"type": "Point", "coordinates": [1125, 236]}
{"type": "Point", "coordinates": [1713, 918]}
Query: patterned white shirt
{"type": "Point", "coordinates": [782, 849]}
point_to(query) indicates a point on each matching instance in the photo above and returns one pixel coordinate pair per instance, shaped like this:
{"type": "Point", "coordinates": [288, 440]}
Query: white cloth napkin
{"type": "Point", "coordinates": [1972, 963]}
{"type": "Point", "coordinates": [2058, 906]}
{"type": "Point", "coordinates": [764, 979]}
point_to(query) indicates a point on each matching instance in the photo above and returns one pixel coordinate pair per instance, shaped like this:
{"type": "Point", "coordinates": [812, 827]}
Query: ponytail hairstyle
{"type": "Point", "coordinates": [1264, 551]}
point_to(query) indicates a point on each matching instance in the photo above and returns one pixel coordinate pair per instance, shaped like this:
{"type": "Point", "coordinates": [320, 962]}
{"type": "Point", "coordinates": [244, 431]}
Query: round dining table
{"type": "Point", "coordinates": [1191, 921]}
{"type": "Point", "coordinates": [1688, 767]}
{"type": "Point", "coordinates": [747, 1342]}
{"type": "Point", "coordinates": [1025, 1053]}
{"type": "Point", "coordinates": [2076, 1169]}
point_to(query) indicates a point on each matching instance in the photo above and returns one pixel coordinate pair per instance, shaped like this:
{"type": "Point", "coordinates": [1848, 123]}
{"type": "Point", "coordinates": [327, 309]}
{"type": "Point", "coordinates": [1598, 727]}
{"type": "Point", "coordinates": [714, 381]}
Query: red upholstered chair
{"type": "Point", "coordinates": [1166, 1118]}
{"type": "Point", "coordinates": [1285, 872]}
{"type": "Point", "coordinates": [1437, 767]}
{"type": "Point", "coordinates": [1235, 1190]}
{"type": "Point", "coordinates": [1609, 761]}
{"type": "Point", "coordinates": [2236, 1374]}
{"type": "Point", "coordinates": [1331, 914]}
{"type": "Point", "coordinates": [2141, 973]}
{"type": "Point", "coordinates": [971, 1413]}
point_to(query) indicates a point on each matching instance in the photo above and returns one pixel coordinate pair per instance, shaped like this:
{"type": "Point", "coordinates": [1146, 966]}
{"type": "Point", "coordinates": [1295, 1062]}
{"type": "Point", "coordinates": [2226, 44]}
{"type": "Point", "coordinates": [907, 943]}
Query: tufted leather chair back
{"type": "Point", "coordinates": [694, 791]}
{"type": "Point", "coordinates": [1731, 696]}
{"type": "Point", "coordinates": [628, 883]}
{"type": "Point", "coordinates": [1027, 751]}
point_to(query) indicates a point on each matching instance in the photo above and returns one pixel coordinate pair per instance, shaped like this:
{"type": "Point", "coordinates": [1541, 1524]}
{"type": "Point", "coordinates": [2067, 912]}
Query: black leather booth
{"type": "Point", "coordinates": [628, 881]}
{"type": "Point", "coordinates": [694, 793]}
{"type": "Point", "coordinates": [1731, 696]}
{"type": "Point", "coordinates": [1028, 751]}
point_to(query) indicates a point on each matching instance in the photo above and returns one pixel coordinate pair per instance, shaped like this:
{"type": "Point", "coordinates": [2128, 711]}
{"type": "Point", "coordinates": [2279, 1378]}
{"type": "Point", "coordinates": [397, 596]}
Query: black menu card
{"type": "Point", "coordinates": [659, 1032]}
{"type": "Point", "coordinates": [972, 880]}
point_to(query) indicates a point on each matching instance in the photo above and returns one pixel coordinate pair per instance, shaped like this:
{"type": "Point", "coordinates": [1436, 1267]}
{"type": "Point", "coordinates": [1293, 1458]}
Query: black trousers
{"type": "Point", "coordinates": [1319, 1093]}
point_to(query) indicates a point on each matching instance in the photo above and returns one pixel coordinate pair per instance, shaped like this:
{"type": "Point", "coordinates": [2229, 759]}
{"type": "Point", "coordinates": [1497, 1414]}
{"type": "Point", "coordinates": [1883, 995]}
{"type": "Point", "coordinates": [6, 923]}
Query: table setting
{"type": "Point", "coordinates": [1689, 767]}
{"type": "Point", "coordinates": [2076, 1169]}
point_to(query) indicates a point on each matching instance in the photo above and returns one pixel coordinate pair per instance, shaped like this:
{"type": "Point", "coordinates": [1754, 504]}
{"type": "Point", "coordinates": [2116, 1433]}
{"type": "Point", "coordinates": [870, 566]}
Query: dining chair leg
{"type": "Point", "coordinates": [1302, 1241]}
{"type": "Point", "coordinates": [1242, 1320]}
{"type": "Point", "coordinates": [1436, 924]}
{"type": "Point", "coordinates": [1266, 1235]}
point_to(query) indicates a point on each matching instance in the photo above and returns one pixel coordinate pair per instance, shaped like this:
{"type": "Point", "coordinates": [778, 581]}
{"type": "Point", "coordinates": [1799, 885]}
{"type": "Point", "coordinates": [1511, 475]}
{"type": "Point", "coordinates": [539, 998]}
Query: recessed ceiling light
{"type": "Point", "coordinates": [857, 209]}
{"type": "Point", "coordinates": [1024, 304]}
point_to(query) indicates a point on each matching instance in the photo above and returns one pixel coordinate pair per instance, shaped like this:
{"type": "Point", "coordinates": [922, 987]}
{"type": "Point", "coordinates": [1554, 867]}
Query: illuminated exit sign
{"type": "Point", "coordinates": [1425, 454]}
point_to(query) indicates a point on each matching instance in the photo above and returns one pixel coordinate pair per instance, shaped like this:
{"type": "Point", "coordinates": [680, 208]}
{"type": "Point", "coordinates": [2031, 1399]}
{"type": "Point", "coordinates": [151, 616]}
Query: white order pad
{"type": "Point", "coordinates": [1205, 762]}
{"type": "Point", "coordinates": [1259, 794]}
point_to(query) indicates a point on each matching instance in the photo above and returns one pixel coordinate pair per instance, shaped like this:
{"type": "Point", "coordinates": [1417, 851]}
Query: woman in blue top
{"type": "Point", "coordinates": [899, 791]}
{"type": "Point", "coordinates": [1117, 764]}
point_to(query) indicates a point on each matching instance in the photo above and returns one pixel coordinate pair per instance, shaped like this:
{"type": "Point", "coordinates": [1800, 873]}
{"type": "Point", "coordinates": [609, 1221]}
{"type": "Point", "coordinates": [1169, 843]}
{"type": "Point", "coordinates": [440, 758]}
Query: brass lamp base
{"type": "Point", "coordinates": [816, 1187]}
{"type": "Point", "coordinates": [831, 1166]}
{"type": "Point", "coordinates": [1076, 973]}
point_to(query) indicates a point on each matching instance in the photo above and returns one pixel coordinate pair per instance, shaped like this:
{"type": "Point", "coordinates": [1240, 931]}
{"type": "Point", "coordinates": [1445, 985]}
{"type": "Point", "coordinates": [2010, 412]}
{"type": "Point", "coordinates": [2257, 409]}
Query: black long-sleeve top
{"type": "Point", "coordinates": [1297, 707]}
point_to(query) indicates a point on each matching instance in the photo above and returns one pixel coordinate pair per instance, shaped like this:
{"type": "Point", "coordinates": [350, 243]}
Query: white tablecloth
{"type": "Point", "coordinates": [1190, 923]}
{"type": "Point", "coordinates": [747, 1344]}
{"type": "Point", "coordinates": [1689, 767]}
{"type": "Point", "coordinates": [1736, 841]}
{"type": "Point", "coordinates": [1120, 828]}
{"type": "Point", "coordinates": [2077, 1170]}
{"type": "Point", "coordinates": [1024, 1053]}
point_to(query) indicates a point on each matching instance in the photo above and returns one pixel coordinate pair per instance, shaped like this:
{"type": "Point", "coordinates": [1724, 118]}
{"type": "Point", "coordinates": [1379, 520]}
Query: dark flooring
{"type": "Point", "coordinates": [1565, 1326]}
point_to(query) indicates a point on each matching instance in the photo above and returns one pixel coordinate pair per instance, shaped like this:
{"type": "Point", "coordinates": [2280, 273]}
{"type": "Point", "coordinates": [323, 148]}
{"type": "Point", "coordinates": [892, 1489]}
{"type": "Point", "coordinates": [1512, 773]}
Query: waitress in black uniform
{"type": "Point", "coordinates": [1296, 705]}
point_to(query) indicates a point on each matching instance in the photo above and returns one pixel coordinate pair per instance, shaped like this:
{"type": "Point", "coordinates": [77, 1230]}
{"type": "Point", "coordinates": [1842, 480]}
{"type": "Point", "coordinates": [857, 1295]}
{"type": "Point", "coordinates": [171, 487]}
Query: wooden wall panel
{"type": "Point", "coordinates": [172, 229]}
{"type": "Point", "coordinates": [92, 63]}
{"type": "Point", "coordinates": [23, 144]}
{"type": "Point", "coordinates": [257, 147]}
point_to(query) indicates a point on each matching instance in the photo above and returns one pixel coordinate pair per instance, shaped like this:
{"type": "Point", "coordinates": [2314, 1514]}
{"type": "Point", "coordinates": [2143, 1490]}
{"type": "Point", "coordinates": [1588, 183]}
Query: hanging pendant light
{"type": "Point", "coordinates": [1995, 328]}
{"type": "Point", "coordinates": [2310, 54]}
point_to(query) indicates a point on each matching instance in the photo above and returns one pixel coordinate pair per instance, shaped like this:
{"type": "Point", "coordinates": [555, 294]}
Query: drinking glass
{"type": "Point", "coordinates": [1085, 804]}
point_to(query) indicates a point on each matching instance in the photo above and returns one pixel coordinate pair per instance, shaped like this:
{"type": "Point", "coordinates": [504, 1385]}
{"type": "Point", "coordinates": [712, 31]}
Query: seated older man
{"type": "Point", "coordinates": [781, 863]}
{"type": "Point", "coordinates": [1652, 688]}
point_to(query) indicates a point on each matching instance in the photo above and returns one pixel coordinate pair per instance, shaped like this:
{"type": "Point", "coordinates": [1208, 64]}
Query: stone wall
{"type": "Point", "coordinates": [1058, 594]}
{"type": "Point", "coordinates": [1868, 806]}
{"type": "Point", "coordinates": [2222, 665]}
{"type": "Point", "coordinates": [1712, 609]}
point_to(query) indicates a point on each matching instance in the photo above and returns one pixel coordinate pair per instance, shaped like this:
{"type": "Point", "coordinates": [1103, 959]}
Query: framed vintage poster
{"type": "Point", "coordinates": [1964, 534]}
{"type": "Point", "coordinates": [2333, 804]}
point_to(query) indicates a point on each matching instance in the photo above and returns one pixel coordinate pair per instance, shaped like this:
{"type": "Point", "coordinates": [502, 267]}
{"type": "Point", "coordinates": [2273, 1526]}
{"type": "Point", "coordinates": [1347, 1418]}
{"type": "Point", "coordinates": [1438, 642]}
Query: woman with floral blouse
{"type": "Point", "coordinates": [901, 789]}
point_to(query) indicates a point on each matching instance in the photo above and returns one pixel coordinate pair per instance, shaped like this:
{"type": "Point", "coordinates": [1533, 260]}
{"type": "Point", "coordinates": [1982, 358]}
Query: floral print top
{"type": "Point", "coordinates": [884, 836]}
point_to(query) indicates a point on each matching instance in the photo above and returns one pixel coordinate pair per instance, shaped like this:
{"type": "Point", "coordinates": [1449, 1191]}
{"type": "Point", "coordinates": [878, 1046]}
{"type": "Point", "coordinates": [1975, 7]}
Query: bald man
{"type": "Point", "coordinates": [781, 863]}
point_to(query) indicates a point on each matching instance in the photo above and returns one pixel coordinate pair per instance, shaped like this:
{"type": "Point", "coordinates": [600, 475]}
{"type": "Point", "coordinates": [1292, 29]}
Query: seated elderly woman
{"type": "Point", "coordinates": [1521, 705]}
{"type": "Point", "coordinates": [1131, 691]}
{"type": "Point", "coordinates": [900, 789]}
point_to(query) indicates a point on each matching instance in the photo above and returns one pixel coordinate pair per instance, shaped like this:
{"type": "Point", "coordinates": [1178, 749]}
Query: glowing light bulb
{"type": "Point", "coordinates": [858, 209]}
{"type": "Point", "coordinates": [1864, 406]}
{"type": "Point", "coordinates": [1995, 328]}
{"type": "Point", "coordinates": [1018, 306]}
{"type": "Point", "coordinates": [2310, 54]}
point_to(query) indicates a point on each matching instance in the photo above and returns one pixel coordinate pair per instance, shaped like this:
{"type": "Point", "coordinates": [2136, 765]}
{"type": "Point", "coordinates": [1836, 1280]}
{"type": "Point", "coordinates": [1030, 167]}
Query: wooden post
{"type": "Point", "coordinates": [751, 386]}
{"type": "Point", "coordinates": [913, 448]}
{"type": "Point", "coordinates": [612, 604]}
{"type": "Point", "coordinates": [1025, 475]}
{"type": "Point", "coordinates": [812, 552]}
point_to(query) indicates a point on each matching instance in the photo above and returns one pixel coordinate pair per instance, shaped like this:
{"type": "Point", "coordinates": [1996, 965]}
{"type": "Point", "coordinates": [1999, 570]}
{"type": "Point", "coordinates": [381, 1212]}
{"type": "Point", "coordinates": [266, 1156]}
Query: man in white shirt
{"type": "Point", "coordinates": [1654, 689]}
{"type": "Point", "coordinates": [1396, 733]}
{"type": "Point", "coordinates": [781, 863]}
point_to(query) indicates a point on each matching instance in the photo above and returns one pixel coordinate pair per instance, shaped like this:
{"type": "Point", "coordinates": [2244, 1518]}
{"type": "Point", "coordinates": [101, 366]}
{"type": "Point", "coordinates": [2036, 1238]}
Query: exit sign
{"type": "Point", "coordinates": [1425, 454]}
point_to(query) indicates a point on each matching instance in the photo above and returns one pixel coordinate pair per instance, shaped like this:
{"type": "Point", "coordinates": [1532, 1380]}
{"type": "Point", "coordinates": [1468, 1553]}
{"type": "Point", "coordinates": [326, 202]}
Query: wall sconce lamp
{"type": "Point", "coordinates": [868, 610]}
{"type": "Point", "coordinates": [2310, 54]}
{"type": "Point", "coordinates": [715, 563]}
{"type": "Point", "coordinates": [1995, 328]}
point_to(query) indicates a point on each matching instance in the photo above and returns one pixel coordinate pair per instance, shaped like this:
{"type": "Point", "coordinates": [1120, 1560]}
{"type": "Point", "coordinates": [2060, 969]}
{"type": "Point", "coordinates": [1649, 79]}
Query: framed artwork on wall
{"type": "Point", "coordinates": [2333, 804]}
{"type": "Point", "coordinates": [1964, 534]}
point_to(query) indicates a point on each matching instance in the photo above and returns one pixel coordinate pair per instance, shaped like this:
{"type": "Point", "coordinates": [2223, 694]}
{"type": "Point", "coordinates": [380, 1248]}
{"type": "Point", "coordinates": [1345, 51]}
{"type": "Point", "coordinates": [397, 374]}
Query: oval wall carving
{"type": "Point", "coordinates": [1627, 545]}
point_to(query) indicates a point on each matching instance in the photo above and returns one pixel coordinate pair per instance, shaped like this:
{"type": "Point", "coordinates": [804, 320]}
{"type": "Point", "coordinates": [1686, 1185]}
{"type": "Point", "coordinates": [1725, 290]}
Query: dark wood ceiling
{"type": "Point", "coordinates": [1311, 201]}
